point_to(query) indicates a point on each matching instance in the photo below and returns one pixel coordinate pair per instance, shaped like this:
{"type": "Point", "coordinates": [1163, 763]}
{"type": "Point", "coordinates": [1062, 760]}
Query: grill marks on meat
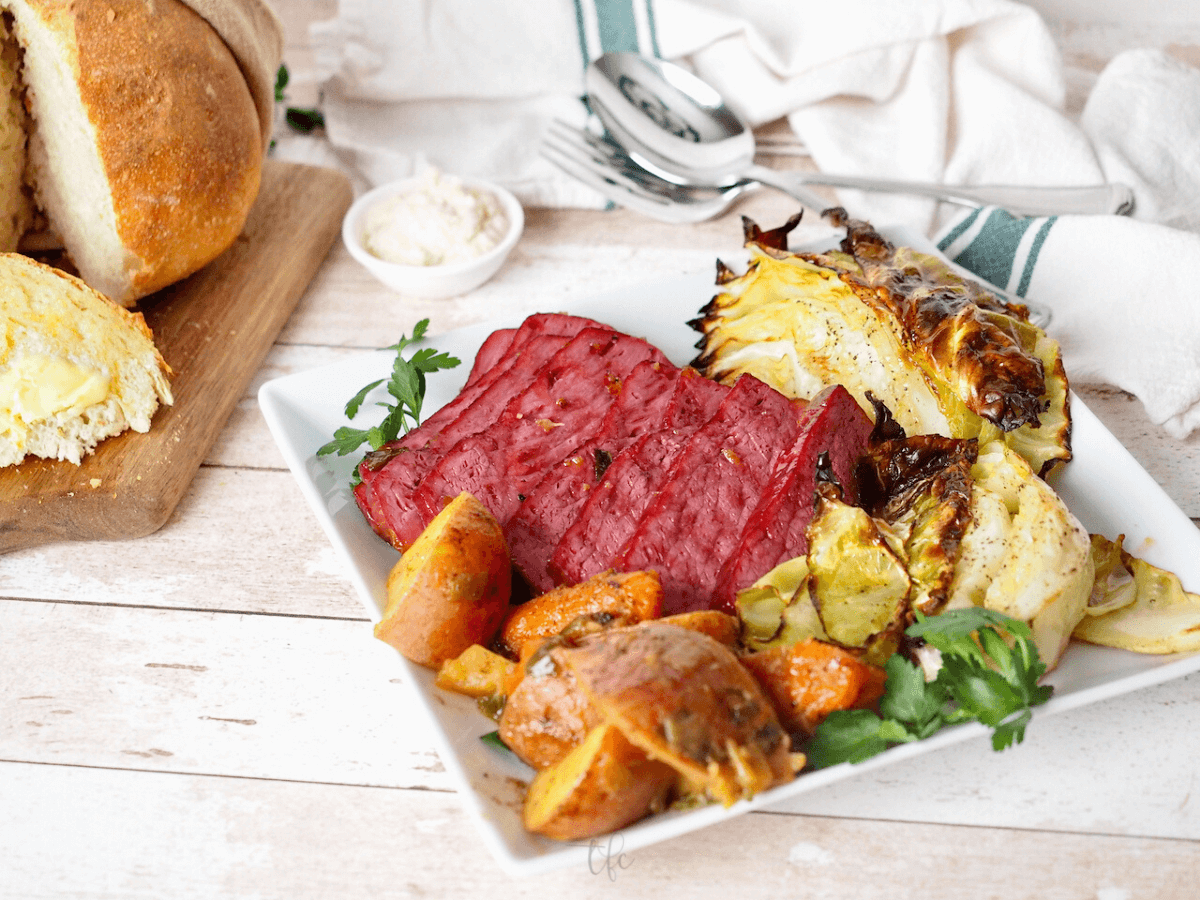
{"type": "Point", "coordinates": [594, 452]}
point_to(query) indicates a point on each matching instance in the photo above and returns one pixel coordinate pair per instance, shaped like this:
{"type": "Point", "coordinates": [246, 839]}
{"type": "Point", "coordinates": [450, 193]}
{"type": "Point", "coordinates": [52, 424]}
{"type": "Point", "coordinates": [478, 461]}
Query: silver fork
{"type": "Point", "coordinates": [621, 177]}
{"type": "Point", "coordinates": [606, 167]}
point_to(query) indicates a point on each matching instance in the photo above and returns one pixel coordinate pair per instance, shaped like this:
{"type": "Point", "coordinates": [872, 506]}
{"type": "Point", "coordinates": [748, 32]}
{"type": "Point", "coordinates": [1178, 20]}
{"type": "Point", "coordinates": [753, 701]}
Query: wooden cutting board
{"type": "Point", "coordinates": [213, 329]}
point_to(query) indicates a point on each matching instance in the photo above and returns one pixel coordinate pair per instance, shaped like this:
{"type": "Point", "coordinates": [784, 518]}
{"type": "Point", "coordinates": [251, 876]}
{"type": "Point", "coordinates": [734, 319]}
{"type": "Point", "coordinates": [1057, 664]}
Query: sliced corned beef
{"type": "Point", "coordinates": [775, 531]}
{"type": "Point", "coordinates": [491, 352]}
{"type": "Point", "coordinates": [611, 511]}
{"type": "Point", "coordinates": [561, 409]}
{"type": "Point", "coordinates": [715, 482]}
{"type": "Point", "coordinates": [551, 506]}
{"type": "Point", "coordinates": [391, 474]}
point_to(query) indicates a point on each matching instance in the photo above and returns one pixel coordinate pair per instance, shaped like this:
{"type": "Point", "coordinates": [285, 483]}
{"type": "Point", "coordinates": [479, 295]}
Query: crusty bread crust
{"type": "Point", "coordinates": [175, 128]}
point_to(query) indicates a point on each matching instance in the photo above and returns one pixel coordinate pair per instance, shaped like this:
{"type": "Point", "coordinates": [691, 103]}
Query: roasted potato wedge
{"type": "Point", "coordinates": [545, 717]}
{"type": "Point", "coordinates": [476, 672]}
{"type": "Point", "coordinates": [686, 700]}
{"type": "Point", "coordinates": [451, 588]}
{"type": "Point", "coordinates": [605, 783]}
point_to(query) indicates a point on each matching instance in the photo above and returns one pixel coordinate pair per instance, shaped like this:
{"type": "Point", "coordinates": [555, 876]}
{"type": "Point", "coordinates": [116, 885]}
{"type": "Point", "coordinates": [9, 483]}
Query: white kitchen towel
{"type": "Point", "coordinates": [964, 91]}
{"type": "Point", "coordinates": [1123, 294]}
{"type": "Point", "coordinates": [468, 86]}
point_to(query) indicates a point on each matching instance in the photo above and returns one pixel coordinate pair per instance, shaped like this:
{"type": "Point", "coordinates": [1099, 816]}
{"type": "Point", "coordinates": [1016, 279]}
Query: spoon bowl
{"type": "Point", "coordinates": [673, 120]}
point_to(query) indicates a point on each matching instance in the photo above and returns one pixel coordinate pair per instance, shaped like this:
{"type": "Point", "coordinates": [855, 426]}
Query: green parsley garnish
{"type": "Point", "coordinates": [983, 678]}
{"type": "Point", "coordinates": [298, 118]}
{"type": "Point", "coordinates": [493, 740]}
{"type": "Point", "coordinates": [406, 386]}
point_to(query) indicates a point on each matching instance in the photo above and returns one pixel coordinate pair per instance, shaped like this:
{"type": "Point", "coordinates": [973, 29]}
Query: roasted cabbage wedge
{"type": "Point", "coordinates": [1137, 606]}
{"type": "Point", "coordinates": [858, 581]}
{"type": "Point", "coordinates": [941, 524]}
{"type": "Point", "coordinates": [1024, 554]}
{"type": "Point", "coordinates": [944, 354]}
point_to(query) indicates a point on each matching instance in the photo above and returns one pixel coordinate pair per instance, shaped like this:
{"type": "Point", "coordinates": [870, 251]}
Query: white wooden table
{"type": "Point", "coordinates": [204, 712]}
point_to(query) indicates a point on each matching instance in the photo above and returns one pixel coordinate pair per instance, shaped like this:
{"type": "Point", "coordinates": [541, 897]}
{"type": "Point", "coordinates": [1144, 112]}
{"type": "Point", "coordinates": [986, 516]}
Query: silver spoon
{"type": "Point", "coordinates": [679, 126]}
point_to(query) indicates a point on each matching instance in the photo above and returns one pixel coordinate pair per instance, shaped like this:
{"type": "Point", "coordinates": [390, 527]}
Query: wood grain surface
{"type": "Point", "coordinates": [204, 714]}
{"type": "Point", "coordinates": [213, 329]}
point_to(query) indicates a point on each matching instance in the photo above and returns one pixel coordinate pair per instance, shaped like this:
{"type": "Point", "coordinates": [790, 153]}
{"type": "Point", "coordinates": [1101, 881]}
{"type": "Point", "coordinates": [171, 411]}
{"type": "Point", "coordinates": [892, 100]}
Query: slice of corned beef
{"type": "Point", "coordinates": [391, 474]}
{"type": "Point", "coordinates": [551, 506]}
{"type": "Point", "coordinates": [561, 409]}
{"type": "Point", "coordinates": [716, 480]}
{"type": "Point", "coordinates": [491, 352]}
{"type": "Point", "coordinates": [775, 531]}
{"type": "Point", "coordinates": [498, 354]}
{"type": "Point", "coordinates": [611, 511]}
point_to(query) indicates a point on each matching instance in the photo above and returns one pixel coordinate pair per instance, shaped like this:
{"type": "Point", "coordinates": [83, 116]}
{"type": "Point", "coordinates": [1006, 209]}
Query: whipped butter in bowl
{"type": "Point", "coordinates": [433, 236]}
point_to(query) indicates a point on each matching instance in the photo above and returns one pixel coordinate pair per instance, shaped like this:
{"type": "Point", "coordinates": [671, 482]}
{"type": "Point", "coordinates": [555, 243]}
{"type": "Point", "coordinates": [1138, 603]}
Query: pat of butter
{"type": "Point", "coordinates": [37, 386]}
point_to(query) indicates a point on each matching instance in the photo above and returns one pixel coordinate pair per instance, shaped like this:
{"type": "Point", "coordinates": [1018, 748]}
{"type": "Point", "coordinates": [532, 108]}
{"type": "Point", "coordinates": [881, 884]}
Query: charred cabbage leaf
{"type": "Point", "coordinates": [777, 610]}
{"type": "Point", "coordinates": [944, 354]}
{"type": "Point", "coordinates": [858, 583]}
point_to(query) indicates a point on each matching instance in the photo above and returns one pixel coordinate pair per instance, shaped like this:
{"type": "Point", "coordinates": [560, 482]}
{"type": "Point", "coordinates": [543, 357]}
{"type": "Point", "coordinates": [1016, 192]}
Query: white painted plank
{"type": "Point", "coordinates": [1123, 766]}
{"type": "Point", "coordinates": [321, 700]}
{"type": "Point", "coordinates": [240, 539]}
{"type": "Point", "coordinates": [209, 693]}
{"type": "Point", "coordinates": [206, 837]}
{"type": "Point", "coordinates": [246, 441]}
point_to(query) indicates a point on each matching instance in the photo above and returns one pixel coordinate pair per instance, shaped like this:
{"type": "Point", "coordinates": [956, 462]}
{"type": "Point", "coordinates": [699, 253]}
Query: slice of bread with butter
{"type": "Point", "coordinates": [75, 367]}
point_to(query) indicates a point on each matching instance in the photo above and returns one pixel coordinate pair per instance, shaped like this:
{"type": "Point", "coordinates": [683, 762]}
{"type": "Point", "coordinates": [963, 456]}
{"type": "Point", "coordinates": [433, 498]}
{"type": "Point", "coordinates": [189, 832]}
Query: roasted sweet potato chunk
{"type": "Point", "coordinates": [630, 596]}
{"type": "Point", "coordinates": [603, 784]}
{"type": "Point", "coordinates": [810, 679]}
{"type": "Point", "coordinates": [719, 626]}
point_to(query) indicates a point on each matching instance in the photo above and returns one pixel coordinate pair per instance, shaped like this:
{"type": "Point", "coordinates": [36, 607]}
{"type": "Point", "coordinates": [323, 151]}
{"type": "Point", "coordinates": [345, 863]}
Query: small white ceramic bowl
{"type": "Point", "coordinates": [432, 282]}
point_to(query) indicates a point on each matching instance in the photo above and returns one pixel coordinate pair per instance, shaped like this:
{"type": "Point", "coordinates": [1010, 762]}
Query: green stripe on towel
{"type": "Point", "coordinates": [991, 254]}
{"type": "Point", "coordinates": [618, 27]}
{"type": "Point", "coordinates": [611, 26]}
{"type": "Point", "coordinates": [998, 246]}
{"type": "Point", "coordinates": [581, 28]}
{"type": "Point", "coordinates": [1031, 260]}
{"type": "Point", "coordinates": [954, 233]}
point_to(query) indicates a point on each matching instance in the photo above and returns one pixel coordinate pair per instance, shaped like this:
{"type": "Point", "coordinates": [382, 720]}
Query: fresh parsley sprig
{"type": "Point", "coordinates": [301, 119]}
{"type": "Point", "coordinates": [983, 677]}
{"type": "Point", "coordinates": [406, 385]}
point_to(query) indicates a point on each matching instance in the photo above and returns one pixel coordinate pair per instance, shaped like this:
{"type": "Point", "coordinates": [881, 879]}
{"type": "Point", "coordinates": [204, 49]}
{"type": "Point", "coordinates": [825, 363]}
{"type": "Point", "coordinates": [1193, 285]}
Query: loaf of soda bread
{"type": "Point", "coordinates": [135, 135]}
